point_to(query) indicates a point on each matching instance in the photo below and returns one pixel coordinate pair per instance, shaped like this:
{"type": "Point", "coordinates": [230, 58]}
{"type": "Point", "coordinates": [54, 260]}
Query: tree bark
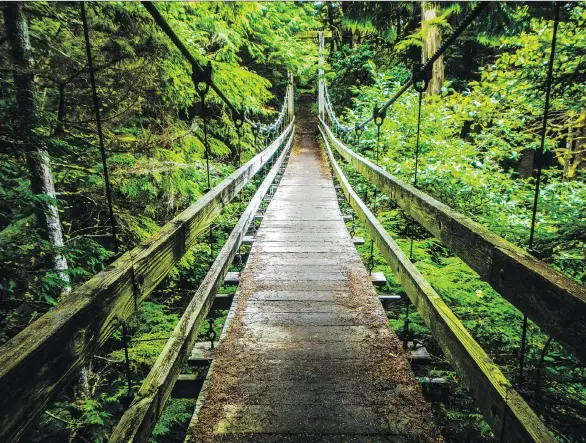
{"type": "Point", "coordinates": [26, 122]}
{"type": "Point", "coordinates": [346, 34]}
{"type": "Point", "coordinates": [332, 28]}
{"type": "Point", "coordinates": [432, 40]}
{"type": "Point", "coordinates": [574, 153]}
{"type": "Point", "coordinates": [61, 112]}
{"type": "Point", "coordinates": [526, 165]}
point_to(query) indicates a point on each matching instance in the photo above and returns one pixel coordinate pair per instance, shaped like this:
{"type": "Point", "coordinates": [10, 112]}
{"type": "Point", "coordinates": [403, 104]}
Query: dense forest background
{"type": "Point", "coordinates": [480, 131]}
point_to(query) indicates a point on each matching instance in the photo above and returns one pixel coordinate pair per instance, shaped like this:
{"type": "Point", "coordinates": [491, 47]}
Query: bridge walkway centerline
{"type": "Point", "coordinates": [308, 354]}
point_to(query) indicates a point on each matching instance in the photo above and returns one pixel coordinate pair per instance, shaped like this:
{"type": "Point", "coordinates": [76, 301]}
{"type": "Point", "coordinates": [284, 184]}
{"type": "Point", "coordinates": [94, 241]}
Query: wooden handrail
{"type": "Point", "coordinates": [509, 416]}
{"type": "Point", "coordinates": [139, 420]}
{"type": "Point", "coordinates": [38, 363]}
{"type": "Point", "coordinates": [555, 302]}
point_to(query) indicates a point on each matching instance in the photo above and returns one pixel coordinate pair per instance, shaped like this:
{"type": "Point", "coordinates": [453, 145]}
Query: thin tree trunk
{"type": "Point", "coordinates": [346, 34]}
{"type": "Point", "coordinates": [332, 28]}
{"type": "Point", "coordinates": [27, 119]}
{"type": "Point", "coordinates": [575, 148]}
{"type": "Point", "coordinates": [61, 112]}
{"type": "Point", "coordinates": [432, 40]}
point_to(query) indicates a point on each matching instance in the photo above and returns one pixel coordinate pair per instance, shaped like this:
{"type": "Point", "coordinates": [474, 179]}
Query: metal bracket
{"type": "Point", "coordinates": [239, 119]}
{"type": "Point", "coordinates": [378, 116]}
{"type": "Point", "coordinates": [204, 77]}
{"type": "Point", "coordinates": [421, 77]}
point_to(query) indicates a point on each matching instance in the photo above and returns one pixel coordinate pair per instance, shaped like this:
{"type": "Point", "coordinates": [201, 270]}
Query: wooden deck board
{"type": "Point", "coordinates": [308, 355]}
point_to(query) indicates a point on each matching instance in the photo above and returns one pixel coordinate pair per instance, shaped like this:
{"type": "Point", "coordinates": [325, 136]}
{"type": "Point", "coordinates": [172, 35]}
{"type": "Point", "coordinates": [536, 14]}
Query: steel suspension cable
{"type": "Point", "coordinates": [416, 167]}
{"type": "Point", "coordinates": [419, 88]}
{"type": "Point", "coordinates": [202, 82]}
{"type": "Point", "coordinates": [196, 67]}
{"type": "Point", "coordinates": [238, 122]}
{"type": "Point", "coordinates": [472, 15]}
{"type": "Point", "coordinates": [127, 361]}
{"type": "Point", "coordinates": [107, 186]}
{"type": "Point", "coordinates": [379, 118]}
{"type": "Point", "coordinates": [540, 153]}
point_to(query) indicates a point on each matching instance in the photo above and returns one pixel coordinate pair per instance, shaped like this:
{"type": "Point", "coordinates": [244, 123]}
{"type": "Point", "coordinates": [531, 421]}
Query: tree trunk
{"type": "Point", "coordinates": [432, 40]}
{"type": "Point", "coordinates": [526, 164]}
{"type": "Point", "coordinates": [332, 28]}
{"type": "Point", "coordinates": [574, 153]}
{"type": "Point", "coordinates": [346, 34]}
{"type": "Point", "coordinates": [27, 119]}
{"type": "Point", "coordinates": [61, 112]}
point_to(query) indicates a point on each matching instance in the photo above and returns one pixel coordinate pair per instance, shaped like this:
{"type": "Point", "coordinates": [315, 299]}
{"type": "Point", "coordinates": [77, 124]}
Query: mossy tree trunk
{"type": "Point", "coordinates": [432, 40]}
{"type": "Point", "coordinates": [27, 121]}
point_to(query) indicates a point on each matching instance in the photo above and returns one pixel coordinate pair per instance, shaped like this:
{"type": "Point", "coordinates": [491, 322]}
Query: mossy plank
{"type": "Point", "coordinates": [139, 420]}
{"type": "Point", "coordinates": [556, 303]}
{"type": "Point", "coordinates": [511, 419]}
{"type": "Point", "coordinates": [37, 363]}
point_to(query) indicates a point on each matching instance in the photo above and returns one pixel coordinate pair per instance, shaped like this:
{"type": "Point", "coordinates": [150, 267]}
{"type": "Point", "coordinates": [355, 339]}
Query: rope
{"type": "Point", "coordinates": [107, 185]}
{"type": "Point", "coordinates": [539, 171]}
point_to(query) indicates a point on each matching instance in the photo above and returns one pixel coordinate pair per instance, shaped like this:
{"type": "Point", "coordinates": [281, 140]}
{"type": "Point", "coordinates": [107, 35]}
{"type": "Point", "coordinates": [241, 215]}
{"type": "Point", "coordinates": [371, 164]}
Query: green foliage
{"type": "Point", "coordinates": [476, 138]}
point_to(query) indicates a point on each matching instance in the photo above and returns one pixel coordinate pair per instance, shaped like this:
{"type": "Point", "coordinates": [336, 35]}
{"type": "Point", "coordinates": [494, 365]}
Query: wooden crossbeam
{"type": "Point", "coordinates": [248, 240]}
{"type": "Point", "coordinates": [232, 278]}
{"type": "Point", "coordinates": [511, 419]}
{"type": "Point", "coordinates": [389, 297]}
{"type": "Point", "coordinates": [418, 355]}
{"type": "Point", "coordinates": [37, 363]}
{"type": "Point", "coordinates": [188, 385]}
{"type": "Point", "coordinates": [556, 303]}
{"type": "Point", "coordinates": [138, 421]}
{"type": "Point", "coordinates": [222, 301]}
{"type": "Point", "coordinates": [378, 278]}
{"type": "Point", "coordinates": [313, 34]}
{"type": "Point", "coordinates": [202, 354]}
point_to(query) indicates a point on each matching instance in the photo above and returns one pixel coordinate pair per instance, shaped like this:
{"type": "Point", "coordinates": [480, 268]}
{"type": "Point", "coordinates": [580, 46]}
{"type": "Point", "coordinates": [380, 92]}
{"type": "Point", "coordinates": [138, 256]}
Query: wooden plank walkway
{"type": "Point", "coordinates": [308, 355]}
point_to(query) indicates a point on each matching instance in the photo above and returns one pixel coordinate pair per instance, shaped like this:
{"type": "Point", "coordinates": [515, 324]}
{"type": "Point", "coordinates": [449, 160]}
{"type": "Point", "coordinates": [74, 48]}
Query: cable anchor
{"type": "Point", "coordinates": [202, 80]}
{"type": "Point", "coordinates": [358, 130]}
{"type": "Point", "coordinates": [421, 76]}
{"type": "Point", "coordinates": [378, 116]}
{"type": "Point", "coordinates": [239, 119]}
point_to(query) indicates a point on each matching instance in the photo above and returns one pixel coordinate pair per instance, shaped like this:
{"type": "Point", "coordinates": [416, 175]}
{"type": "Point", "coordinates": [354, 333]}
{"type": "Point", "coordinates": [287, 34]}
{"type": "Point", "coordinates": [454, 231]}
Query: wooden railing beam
{"type": "Point", "coordinates": [511, 419]}
{"type": "Point", "coordinates": [38, 363]}
{"type": "Point", "coordinates": [138, 421]}
{"type": "Point", "coordinates": [555, 302]}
